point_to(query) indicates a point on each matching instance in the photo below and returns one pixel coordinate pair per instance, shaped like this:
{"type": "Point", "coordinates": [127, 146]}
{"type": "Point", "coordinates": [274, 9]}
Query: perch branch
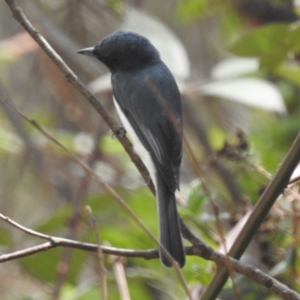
{"type": "Point", "coordinates": [198, 249]}
{"type": "Point", "coordinates": [80, 86]}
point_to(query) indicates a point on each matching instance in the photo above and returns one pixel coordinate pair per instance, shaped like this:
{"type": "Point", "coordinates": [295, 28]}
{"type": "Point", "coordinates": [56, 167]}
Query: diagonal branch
{"type": "Point", "coordinates": [110, 190]}
{"type": "Point", "coordinates": [199, 173]}
{"type": "Point", "coordinates": [81, 87]}
{"type": "Point", "coordinates": [267, 199]}
{"type": "Point", "coordinates": [261, 210]}
{"type": "Point", "coordinates": [200, 249]}
{"type": "Point", "coordinates": [72, 78]}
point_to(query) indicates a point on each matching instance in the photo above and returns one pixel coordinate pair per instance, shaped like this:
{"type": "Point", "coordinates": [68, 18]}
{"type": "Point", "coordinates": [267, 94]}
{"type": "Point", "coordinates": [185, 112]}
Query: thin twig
{"type": "Point", "coordinates": [103, 271]}
{"type": "Point", "coordinates": [261, 210]}
{"type": "Point", "coordinates": [198, 172]}
{"type": "Point", "coordinates": [24, 229]}
{"type": "Point", "coordinates": [262, 171]}
{"type": "Point", "coordinates": [198, 249]}
{"type": "Point", "coordinates": [73, 79]}
{"type": "Point", "coordinates": [110, 190]}
{"type": "Point", "coordinates": [121, 278]}
{"type": "Point", "coordinates": [251, 272]}
{"type": "Point", "coordinates": [77, 199]}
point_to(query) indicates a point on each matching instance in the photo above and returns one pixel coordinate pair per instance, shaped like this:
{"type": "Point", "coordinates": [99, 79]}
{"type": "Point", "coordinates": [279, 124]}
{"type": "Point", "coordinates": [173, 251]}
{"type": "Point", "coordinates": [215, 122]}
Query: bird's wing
{"type": "Point", "coordinates": [150, 120]}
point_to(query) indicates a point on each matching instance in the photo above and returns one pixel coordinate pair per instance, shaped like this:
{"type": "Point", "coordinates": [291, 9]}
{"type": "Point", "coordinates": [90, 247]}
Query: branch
{"type": "Point", "coordinates": [198, 249]}
{"type": "Point", "coordinates": [118, 131]}
{"type": "Point", "coordinates": [271, 191]}
{"type": "Point", "coordinates": [119, 271]}
{"type": "Point", "coordinates": [103, 271]}
{"type": "Point", "coordinates": [54, 242]}
{"type": "Point", "coordinates": [261, 210]}
{"type": "Point", "coordinates": [73, 79]}
{"type": "Point", "coordinates": [108, 188]}
{"type": "Point", "coordinates": [191, 156]}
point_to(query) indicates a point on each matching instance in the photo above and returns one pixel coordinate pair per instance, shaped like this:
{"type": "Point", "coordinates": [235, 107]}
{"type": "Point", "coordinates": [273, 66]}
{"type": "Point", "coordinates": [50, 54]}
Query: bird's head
{"type": "Point", "coordinates": [123, 50]}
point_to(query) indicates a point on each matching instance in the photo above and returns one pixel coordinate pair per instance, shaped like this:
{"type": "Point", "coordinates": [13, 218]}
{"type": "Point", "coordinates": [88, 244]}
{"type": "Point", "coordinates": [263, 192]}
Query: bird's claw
{"type": "Point", "coordinates": [119, 133]}
{"type": "Point", "coordinates": [147, 183]}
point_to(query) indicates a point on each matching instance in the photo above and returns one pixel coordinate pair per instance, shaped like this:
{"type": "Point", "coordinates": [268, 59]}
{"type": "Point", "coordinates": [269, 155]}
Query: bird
{"type": "Point", "coordinates": [148, 102]}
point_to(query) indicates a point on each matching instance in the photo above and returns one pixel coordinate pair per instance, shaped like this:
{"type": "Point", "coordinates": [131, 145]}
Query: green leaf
{"type": "Point", "coordinates": [261, 41]}
{"type": "Point", "coordinates": [43, 265]}
{"type": "Point", "coordinates": [196, 197]}
{"type": "Point", "coordinates": [216, 136]}
{"type": "Point", "coordinates": [139, 288]}
{"type": "Point", "coordinates": [56, 221]}
{"type": "Point", "coordinates": [89, 291]}
{"type": "Point", "coordinates": [292, 38]}
{"type": "Point", "coordinates": [197, 267]}
{"type": "Point", "coordinates": [269, 43]}
{"type": "Point", "coordinates": [5, 237]}
{"type": "Point", "coordinates": [109, 145]}
{"type": "Point", "coordinates": [115, 223]}
{"type": "Point", "coordinates": [116, 5]}
{"type": "Point", "coordinates": [290, 72]}
{"type": "Point", "coordinates": [189, 10]}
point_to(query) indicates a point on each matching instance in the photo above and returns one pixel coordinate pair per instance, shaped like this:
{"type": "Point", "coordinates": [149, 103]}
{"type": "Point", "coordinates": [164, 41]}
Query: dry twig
{"type": "Point", "coordinates": [198, 248]}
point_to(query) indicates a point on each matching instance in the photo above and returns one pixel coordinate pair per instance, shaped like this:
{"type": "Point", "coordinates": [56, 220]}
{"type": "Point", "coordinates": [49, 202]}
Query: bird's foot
{"type": "Point", "coordinates": [147, 183]}
{"type": "Point", "coordinates": [119, 133]}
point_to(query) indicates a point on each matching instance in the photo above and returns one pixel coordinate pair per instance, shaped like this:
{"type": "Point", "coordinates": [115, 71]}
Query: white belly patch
{"type": "Point", "coordinates": [138, 146]}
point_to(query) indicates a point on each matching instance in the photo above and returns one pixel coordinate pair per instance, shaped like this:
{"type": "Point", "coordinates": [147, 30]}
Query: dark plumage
{"type": "Point", "coordinates": [133, 63]}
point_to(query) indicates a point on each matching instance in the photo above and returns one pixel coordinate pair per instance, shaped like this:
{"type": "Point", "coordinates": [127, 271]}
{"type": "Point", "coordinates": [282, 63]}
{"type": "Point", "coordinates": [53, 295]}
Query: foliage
{"type": "Point", "coordinates": [43, 189]}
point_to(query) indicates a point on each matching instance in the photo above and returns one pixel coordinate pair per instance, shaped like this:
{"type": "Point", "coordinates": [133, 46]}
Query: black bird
{"type": "Point", "coordinates": [155, 130]}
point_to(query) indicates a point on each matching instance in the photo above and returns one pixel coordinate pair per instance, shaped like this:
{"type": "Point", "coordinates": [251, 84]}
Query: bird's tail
{"type": "Point", "coordinates": [170, 237]}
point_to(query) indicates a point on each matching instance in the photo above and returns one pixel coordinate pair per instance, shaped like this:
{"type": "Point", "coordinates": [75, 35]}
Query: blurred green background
{"type": "Point", "coordinates": [237, 65]}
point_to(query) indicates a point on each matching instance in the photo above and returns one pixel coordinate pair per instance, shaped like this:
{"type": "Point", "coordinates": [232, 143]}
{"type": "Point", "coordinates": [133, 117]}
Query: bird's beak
{"type": "Point", "coordinates": [87, 51]}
